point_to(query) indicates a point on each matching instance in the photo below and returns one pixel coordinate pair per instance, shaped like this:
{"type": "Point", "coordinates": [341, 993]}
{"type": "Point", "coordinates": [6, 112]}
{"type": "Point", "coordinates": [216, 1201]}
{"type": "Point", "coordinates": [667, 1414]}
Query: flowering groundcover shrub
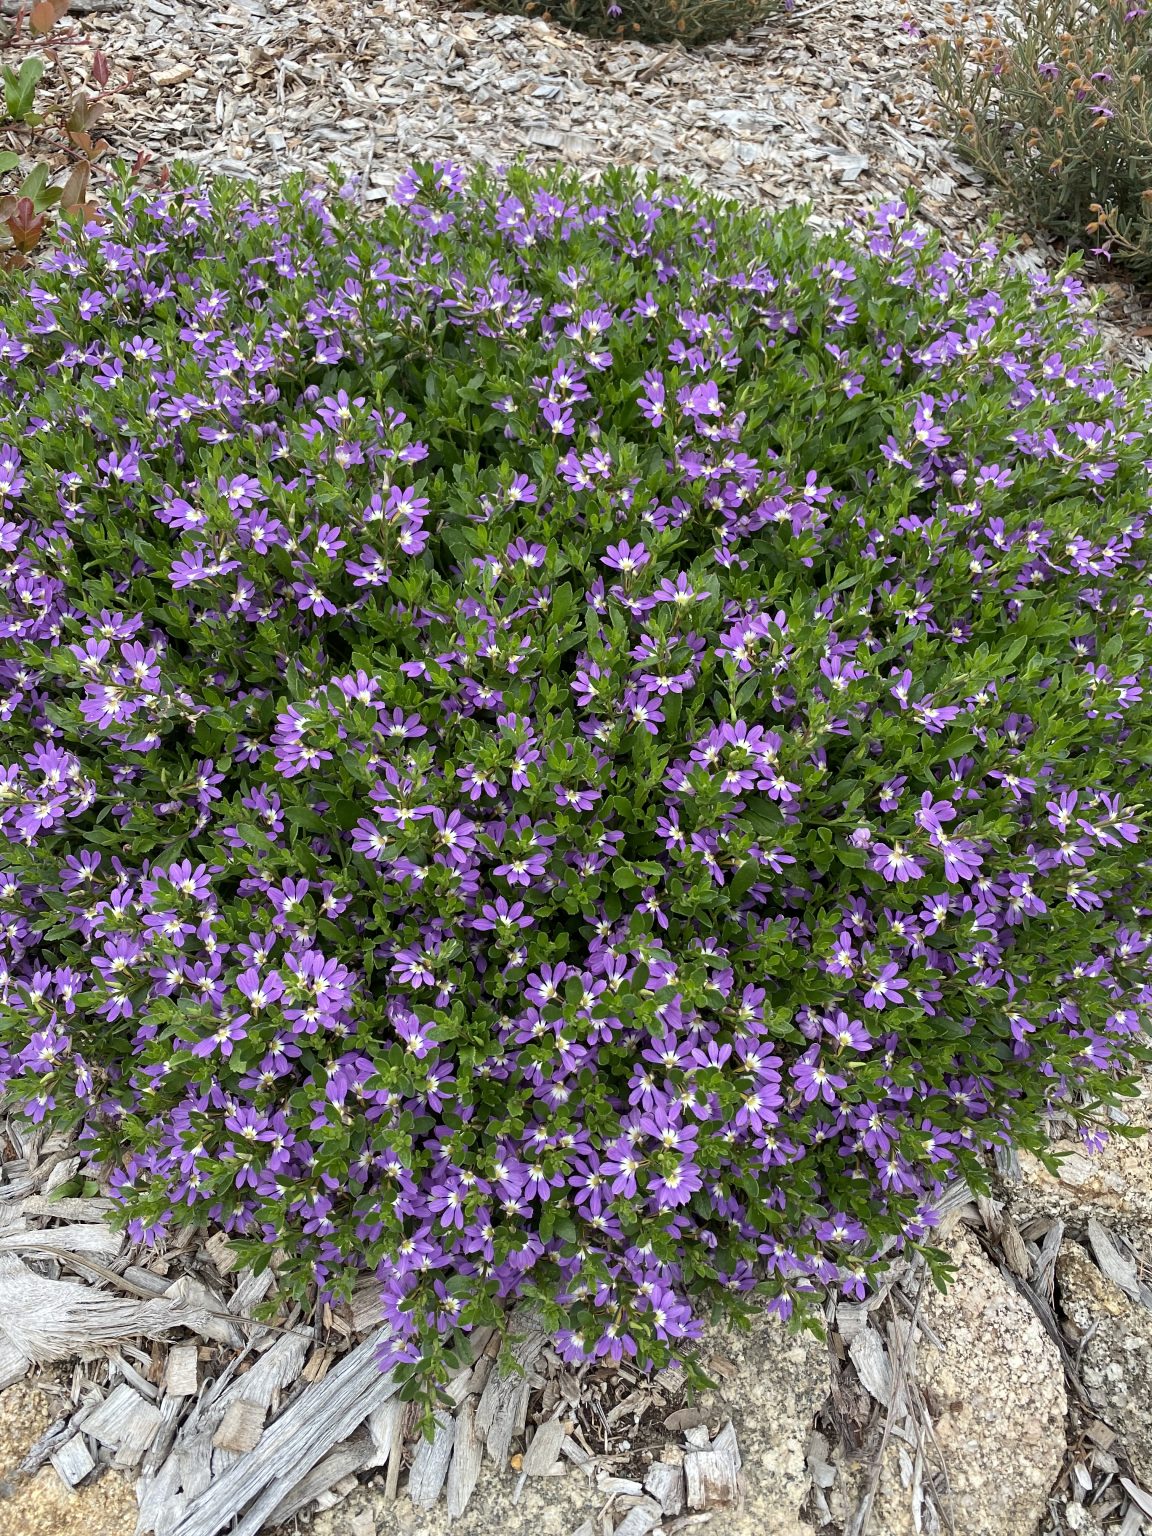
{"type": "Point", "coordinates": [566, 741]}
{"type": "Point", "coordinates": [1057, 109]}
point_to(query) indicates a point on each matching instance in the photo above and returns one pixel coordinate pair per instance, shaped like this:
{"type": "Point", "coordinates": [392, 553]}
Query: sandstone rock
{"type": "Point", "coordinates": [778, 1385]}
{"type": "Point", "coordinates": [555, 1506]}
{"type": "Point", "coordinates": [42, 1505]}
{"type": "Point", "coordinates": [996, 1388]}
{"type": "Point", "coordinates": [1117, 1180]}
{"type": "Point", "coordinates": [1116, 1359]}
{"type": "Point", "coordinates": [1085, 1294]}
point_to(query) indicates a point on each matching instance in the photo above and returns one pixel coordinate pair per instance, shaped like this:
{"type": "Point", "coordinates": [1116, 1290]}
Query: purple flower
{"type": "Point", "coordinates": [886, 987]}
{"type": "Point", "coordinates": [455, 835]}
{"type": "Point", "coordinates": [577, 799]}
{"type": "Point", "coordinates": [621, 1165]}
{"type": "Point", "coordinates": [500, 917]}
{"type": "Point", "coordinates": [222, 1040]}
{"type": "Point", "coordinates": [675, 1187]}
{"type": "Point", "coordinates": [625, 558]}
{"type": "Point", "coordinates": [558, 417]}
{"type": "Point", "coordinates": [849, 1034]}
{"type": "Point", "coordinates": [814, 1079]}
{"type": "Point", "coordinates": [896, 863]}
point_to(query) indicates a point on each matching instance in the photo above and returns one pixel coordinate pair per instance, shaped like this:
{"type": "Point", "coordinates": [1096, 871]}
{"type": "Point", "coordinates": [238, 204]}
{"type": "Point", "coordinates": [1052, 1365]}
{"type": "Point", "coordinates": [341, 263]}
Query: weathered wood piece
{"type": "Point", "coordinates": [193, 1456]}
{"type": "Point", "coordinates": [342, 1461]}
{"type": "Point", "coordinates": [73, 1461]}
{"type": "Point", "coordinates": [125, 1422]}
{"type": "Point", "coordinates": [1119, 1267]}
{"type": "Point", "coordinates": [712, 1476]}
{"type": "Point", "coordinates": [666, 1485]}
{"type": "Point", "coordinates": [725, 1444]}
{"type": "Point", "coordinates": [57, 1319]}
{"type": "Point", "coordinates": [709, 1478]}
{"type": "Point", "coordinates": [430, 1463]}
{"type": "Point", "coordinates": [873, 1367]}
{"type": "Point", "coordinates": [65, 1209]}
{"type": "Point", "coordinates": [91, 1237]}
{"type": "Point", "coordinates": [640, 1519]}
{"type": "Point", "coordinates": [505, 1395]}
{"type": "Point", "coordinates": [277, 1369]}
{"type": "Point", "coordinates": [544, 1449]}
{"type": "Point", "coordinates": [180, 1371]}
{"type": "Point", "coordinates": [367, 1306]}
{"type": "Point", "coordinates": [292, 1445]}
{"type": "Point", "coordinates": [172, 1410]}
{"type": "Point", "coordinates": [611, 1485]}
{"type": "Point", "coordinates": [13, 1363]}
{"type": "Point", "coordinates": [205, 1311]}
{"type": "Point", "coordinates": [250, 1289]}
{"type": "Point", "coordinates": [575, 1452]}
{"type": "Point", "coordinates": [467, 1453]}
{"type": "Point", "coordinates": [160, 1502]}
{"type": "Point", "coordinates": [241, 1427]}
{"type": "Point", "coordinates": [193, 1461]}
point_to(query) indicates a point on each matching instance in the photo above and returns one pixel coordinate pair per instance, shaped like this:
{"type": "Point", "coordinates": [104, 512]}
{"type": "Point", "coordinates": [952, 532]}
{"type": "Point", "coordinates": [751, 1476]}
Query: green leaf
{"type": "Point", "coordinates": [744, 879]}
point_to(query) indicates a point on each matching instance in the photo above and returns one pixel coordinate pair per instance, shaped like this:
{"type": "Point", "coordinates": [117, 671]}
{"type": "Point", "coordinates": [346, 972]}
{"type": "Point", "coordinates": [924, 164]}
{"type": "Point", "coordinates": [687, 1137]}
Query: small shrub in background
{"type": "Point", "coordinates": [569, 741]}
{"type": "Point", "coordinates": [49, 144]}
{"type": "Point", "coordinates": [691, 22]}
{"type": "Point", "coordinates": [1058, 112]}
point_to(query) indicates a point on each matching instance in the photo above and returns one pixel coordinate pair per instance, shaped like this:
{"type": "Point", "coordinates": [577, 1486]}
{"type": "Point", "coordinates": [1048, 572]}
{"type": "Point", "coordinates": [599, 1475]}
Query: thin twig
{"type": "Point", "coordinates": [862, 1515]}
{"type": "Point", "coordinates": [395, 1452]}
{"type": "Point", "coordinates": [924, 1424]}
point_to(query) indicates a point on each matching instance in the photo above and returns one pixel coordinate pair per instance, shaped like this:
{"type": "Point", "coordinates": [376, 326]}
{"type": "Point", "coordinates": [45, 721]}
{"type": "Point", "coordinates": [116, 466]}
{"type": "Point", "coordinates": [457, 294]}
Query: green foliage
{"type": "Point", "coordinates": [1058, 112]}
{"type": "Point", "coordinates": [49, 173]}
{"type": "Point", "coordinates": [20, 89]}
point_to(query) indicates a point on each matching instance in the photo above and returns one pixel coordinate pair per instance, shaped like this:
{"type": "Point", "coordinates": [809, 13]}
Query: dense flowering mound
{"type": "Point", "coordinates": [564, 741]}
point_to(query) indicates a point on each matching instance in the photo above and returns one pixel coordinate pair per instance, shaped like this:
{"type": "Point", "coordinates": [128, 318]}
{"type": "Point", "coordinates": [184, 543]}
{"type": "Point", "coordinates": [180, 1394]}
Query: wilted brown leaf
{"type": "Point", "coordinates": [75, 189]}
{"type": "Point", "coordinates": [42, 18]}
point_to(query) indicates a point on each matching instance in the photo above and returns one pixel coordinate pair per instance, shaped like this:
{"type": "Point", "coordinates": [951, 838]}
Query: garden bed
{"type": "Point", "coordinates": [265, 90]}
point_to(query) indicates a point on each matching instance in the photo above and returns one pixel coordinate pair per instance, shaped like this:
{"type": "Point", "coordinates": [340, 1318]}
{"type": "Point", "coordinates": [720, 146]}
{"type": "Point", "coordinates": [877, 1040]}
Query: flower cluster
{"type": "Point", "coordinates": [567, 743]}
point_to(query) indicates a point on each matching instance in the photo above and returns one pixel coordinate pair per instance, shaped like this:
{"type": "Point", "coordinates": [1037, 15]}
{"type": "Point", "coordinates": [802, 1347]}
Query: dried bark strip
{"type": "Point", "coordinates": [73, 1461]}
{"type": "Point", "coordinates": [430, 1463]}
{"type": "Point", "coordinates": [666, 1485]}
{"type": "Point", "coordinates": [467, 1454]}
{"type": "Point", "coordinates": [343, 1461]}
{"type": "Point", "coordinates": [126, 1423]}
{"type": "Point", "coordinates": [544, 1449]}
